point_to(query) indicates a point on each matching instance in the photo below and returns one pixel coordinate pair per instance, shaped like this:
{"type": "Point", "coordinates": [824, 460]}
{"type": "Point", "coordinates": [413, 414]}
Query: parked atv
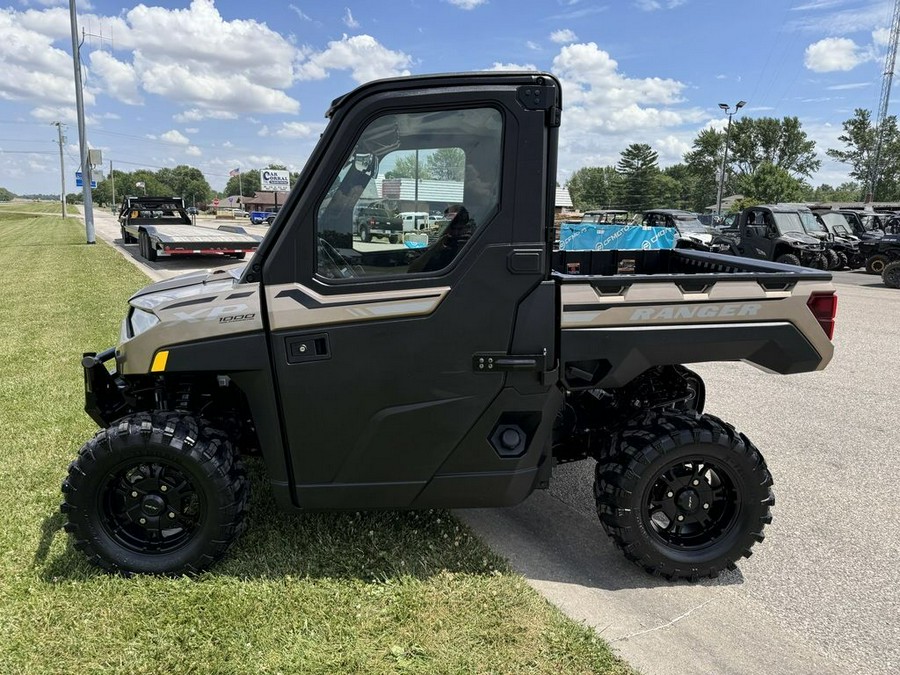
{"type": "Point", "coordinates": [772, 232]}
{"type": "Point", "coordinates": [879, 253]}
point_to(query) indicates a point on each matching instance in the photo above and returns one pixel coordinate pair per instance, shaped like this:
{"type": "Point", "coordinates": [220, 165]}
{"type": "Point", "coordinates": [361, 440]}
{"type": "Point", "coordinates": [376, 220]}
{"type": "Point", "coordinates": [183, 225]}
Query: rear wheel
{"type": "Point", "coordinates": [147, 250]}
{"type": "Point", "coordinates": [158, 494]}
{"type": "Point", "coordinates": [683, 496]}
{"type": "Point", "coordinates": [843, 260]}
{"type": "Point", "coordinates": [875, 263]}
{"type": "Point", "coordinates": [364, 233]}
{"type": "Point", "coordinates": [833, 260]}
{"type": "Point", "coordinates": [788, 259]}
{"type": "Point", "coordinates": [891, 274]}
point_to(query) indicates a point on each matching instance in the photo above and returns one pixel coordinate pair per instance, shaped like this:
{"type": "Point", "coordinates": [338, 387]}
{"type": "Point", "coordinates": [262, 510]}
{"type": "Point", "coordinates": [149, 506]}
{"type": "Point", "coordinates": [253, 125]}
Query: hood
{"type": "Point", "coordinates": [186, 285]}
{"type": "Point", "coordinates": [801, 238]}
{"type": "Point", "coordinates": [698, 237]}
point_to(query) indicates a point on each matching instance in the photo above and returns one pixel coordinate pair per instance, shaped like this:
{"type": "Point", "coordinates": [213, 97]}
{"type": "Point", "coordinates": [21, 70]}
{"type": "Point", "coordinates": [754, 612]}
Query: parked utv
{"type": "Point", "coordinates": [879, 253]}
{"type": "Point", "coordinates": [773, 232]}
{"type": "Point", "coordinates": [692, 233]}
{"type": "Point", "coordinates": [841, 247]}
{"type": "Point", "coordinates": [460, 383]}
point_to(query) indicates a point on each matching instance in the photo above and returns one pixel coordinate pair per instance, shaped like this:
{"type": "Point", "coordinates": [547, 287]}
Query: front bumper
{"type": "Point", "coordinates": [104, 400]}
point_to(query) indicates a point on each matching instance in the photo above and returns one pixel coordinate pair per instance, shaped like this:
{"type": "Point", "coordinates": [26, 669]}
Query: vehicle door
{"type": "Point", "coordinates": [393, 362]}
{"type": "Point", "coordinates": [756, 235]}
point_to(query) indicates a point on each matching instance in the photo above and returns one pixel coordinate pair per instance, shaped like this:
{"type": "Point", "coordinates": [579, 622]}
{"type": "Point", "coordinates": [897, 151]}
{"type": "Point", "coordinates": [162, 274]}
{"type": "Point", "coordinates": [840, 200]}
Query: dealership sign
{"type": "Point", "coordinates": [275, 180]}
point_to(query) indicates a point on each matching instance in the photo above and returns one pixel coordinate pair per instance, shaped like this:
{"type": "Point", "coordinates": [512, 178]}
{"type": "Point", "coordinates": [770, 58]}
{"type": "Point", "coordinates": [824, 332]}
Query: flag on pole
{"type": "Point", "coordinates": [234, 172]}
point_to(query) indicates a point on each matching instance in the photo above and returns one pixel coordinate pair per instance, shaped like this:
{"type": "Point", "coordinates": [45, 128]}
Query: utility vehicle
{"type": "Point", "coordinates": [384, 383]}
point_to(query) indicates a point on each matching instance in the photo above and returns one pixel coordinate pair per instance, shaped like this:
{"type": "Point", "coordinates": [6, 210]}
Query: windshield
{"type": "Point", "coordinates": [836, 220]}
{"type": "Point", "coordinates": [690, 224]}
{"type": "Point", "coordinates": [788, 222]}
{"type": "Point", "coordinates": [612, 217]}
{"type": "Point", "coordinates": [811, 223]}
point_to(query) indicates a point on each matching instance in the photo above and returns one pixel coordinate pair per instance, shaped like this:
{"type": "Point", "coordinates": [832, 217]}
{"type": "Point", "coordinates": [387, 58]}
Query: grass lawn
{"type": "Point", "coordinates": [318, 593]}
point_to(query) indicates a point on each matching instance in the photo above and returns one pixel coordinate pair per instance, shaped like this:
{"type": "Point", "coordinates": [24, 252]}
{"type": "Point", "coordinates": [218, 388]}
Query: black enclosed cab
{"type": "Point", "coordinates": [457, 374]}
{"type": "Point", "coordinates": [776, 233]}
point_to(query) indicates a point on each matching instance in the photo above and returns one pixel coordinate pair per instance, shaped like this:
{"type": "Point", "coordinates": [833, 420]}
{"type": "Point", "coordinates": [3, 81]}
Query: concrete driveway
{"type": "Point", "coordinates": [819, 595]}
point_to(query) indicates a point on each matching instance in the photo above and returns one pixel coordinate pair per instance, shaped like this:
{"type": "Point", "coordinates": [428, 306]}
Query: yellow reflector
{"type": "Point", "coordinates": [159, 362]}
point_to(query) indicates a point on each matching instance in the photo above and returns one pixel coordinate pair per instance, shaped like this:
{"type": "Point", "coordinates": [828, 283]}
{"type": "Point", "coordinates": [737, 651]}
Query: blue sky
{"type": "Point", "coordinates": [223, 84]}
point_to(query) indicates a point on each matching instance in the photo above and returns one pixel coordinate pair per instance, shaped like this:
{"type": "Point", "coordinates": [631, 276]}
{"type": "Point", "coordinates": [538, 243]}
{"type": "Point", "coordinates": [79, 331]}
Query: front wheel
{"type": "Point", "coordinates": [683, 496]}
{"type": "Point", "coordinates": [157, 494]}
{"type": "Point", "coordinates": [832, 259]}
{"type": "Point", "coordinates": [875, 264]}
{"type": "Point", "coordinates": [788, 259]}
{"type": "Point", "coordinates": [891, 274]}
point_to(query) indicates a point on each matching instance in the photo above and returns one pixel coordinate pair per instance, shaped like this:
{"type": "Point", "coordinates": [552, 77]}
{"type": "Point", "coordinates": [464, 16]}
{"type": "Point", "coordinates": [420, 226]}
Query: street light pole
{"type": "Point", "coordinates": [730, 113]}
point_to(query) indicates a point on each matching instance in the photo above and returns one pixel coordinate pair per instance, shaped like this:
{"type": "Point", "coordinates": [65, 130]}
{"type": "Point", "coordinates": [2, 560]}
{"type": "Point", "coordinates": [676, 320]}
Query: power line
{"type": "Point", "coordinates": [26, 152]}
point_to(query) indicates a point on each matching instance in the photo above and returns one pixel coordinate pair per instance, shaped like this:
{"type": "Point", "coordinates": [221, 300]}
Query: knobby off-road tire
{"type": "Point", "coordinates": [147, 250]}
{"type": "Point", "coordinates": [832, 260]}
{"type": "Point", "coordinates": [155, 493]}
{"type": "Point", "coordinates": [891, 274]}
{"type": "Point", "coordinates": [666, 466]}
{"type": "Point", "coordinates": [844, 260]}
{"type": "Point", "coordinates": [875, 263]}
{"type": "Point", "coordinates": [788, 259]}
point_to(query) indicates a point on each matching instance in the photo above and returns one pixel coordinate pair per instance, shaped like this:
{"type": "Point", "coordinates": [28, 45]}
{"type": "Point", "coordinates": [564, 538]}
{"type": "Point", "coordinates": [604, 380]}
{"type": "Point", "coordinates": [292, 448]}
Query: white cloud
{"type": "Point", "coordinates": [833, 54]}
{"type": "Point", "coordinates": [175, 136]}
{"type": "Point", "coordinates": [653, 5]}
{"type": "Point", "coordinates": [363, 55]}
{"type": "Point", "coordinates": [512, 67]}
{"type": "Point", "coordinates": [294, 130]}
{"type": "Point", "coordinates": [851, 85]}
{"type": "Point", "coordinates": [119, 79]}
{"type": "Point", "coordinates": [191, 130]}
{"type": "Point", "coordinates": [33, 69]}
{"type": "Point", "coordinates": [563, 36]}
{"type": "Point", "coordinates": [348, 19]}
{"type": "Point", "coordinates": [196, 115]}
{"type": "Point", "coordinates": [605, 110]}
{"type": "Point", "coordinates": [467, 4]}
{"type": "Point", "coordinates": [193, 151]}
{"type": "Point", "coordinates": [299, 12]}
{"type": "Point", "coordinates": [533, 46]}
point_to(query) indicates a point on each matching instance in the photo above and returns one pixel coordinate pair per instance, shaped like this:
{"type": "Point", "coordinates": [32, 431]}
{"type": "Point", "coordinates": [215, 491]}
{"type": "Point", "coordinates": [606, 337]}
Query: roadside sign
{"type": "Point", "coordinates": [215, 202]}
{"type": "Point", "coordinates": [79, 181]}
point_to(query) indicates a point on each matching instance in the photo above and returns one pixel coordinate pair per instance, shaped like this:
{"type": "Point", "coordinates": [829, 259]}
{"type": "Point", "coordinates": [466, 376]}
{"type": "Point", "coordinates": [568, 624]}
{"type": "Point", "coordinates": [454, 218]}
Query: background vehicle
{"type": "Point", "coordinates": [377, 219]}
{"type": "Point", "coordinates": [773, 232]}
{"type": "Point", "coordinates": [878, 253]}
{"type": "Point", "coordinates": [606, 217]}
{"type": "Point", "coordinates": [363, 386]}
{"type": "Point", "coordinates": [691, 232]}
{"type": "Point", "coordinates": [161, 226]}
{"type": "Point", "coordinates": [266, 216]}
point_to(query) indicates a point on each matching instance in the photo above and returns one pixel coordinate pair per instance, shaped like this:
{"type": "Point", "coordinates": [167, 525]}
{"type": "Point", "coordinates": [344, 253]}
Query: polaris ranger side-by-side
{"type": "Point", "coordinates": [455, 376]}
{"type": "Point", "coordinates": [772, 232]}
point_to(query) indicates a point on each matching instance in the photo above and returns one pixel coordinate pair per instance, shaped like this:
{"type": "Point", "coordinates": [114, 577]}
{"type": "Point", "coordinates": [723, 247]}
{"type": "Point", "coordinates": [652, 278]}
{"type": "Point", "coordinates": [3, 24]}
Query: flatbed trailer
{"type": "Point", "coordinates": [161, 226]}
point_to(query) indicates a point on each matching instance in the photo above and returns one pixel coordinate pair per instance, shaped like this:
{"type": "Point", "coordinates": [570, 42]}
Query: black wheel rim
{"type": "Point", "coordinates": [691, 504]}
{"type": "Point", "coordinates": [151, 506]}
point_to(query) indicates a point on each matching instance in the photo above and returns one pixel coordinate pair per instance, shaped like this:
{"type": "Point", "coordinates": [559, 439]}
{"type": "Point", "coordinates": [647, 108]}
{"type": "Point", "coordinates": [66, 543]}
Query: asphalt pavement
{"type": "Point", "coordinates": [819, 595]}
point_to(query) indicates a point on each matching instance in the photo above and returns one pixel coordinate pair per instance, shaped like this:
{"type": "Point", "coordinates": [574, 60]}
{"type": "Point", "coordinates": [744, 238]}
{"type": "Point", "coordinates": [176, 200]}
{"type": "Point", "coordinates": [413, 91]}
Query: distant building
{"type": "Point", "coordinates": [563, 202]}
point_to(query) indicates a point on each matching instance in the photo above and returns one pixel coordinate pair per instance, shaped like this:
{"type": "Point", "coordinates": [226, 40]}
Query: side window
{"type": "Point", "coordinates": [414, 191]}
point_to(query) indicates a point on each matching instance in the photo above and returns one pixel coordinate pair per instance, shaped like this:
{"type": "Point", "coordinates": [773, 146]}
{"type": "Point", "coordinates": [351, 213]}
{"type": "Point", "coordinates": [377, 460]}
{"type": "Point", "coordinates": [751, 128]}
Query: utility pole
{"type": "Point", "coordinates": [112, 180]}
{"type": "Point", "coordinates": [62, 166]}
{"type": "Point", "coordinates": [730, 113]}
{"type": "Point", "coordinates": [889, 61]}
{"type": "Point", "coordinates": [82, 136]}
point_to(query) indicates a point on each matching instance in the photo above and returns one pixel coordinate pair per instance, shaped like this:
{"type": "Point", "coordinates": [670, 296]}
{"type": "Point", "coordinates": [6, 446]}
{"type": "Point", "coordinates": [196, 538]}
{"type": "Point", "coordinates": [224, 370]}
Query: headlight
{"type": "Point", "coordinates": [141, 321]}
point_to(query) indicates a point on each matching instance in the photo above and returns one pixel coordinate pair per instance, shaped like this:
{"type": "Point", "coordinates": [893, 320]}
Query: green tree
{"type": "Point", "coordinates": [859, 139]}
{"type": "Point", "coordinates": [754, 141]}
{"type": "Point", "coordinates": [409, 166]}
{"type": "Point", "coordinates": [770, 184]}
{"type": "Point", "coordinates": [703, 164]}
{"type": "Point", "coordinates": [247, 184]}
{"type": "Point", "coordinates": [639, 169]}
{"type": "Point", "coordinates": [594, 187]}
{"type": "Point", "coordinates": [6, 195]}
{"type": "Point", "coordinates": [446, 164]}
{"type": "Point", "coordinates": [185, 181]}
{"type": "Point", "coordinates": [845, 192]}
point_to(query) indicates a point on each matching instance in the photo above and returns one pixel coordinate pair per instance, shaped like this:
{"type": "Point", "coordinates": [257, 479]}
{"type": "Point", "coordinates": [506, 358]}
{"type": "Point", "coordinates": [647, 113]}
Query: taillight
{"type": "Point", "coordinates": [824, 308]}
